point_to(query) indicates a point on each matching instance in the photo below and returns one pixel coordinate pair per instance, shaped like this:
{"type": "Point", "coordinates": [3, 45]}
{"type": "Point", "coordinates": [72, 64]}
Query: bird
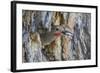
{"type": "Point", "coordinates": [39, 41]}
{"type": "Point", "coordinates": [47, 37]}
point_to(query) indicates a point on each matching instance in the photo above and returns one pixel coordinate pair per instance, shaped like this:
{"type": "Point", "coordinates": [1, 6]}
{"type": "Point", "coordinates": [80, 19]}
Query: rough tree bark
{"type": "Point", "coordinates": [76, 46]}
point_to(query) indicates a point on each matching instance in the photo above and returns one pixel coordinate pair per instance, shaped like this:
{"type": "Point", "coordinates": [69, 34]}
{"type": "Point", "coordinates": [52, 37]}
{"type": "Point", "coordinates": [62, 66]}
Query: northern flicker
{"type": "Point", "coordinates": [48, 36]}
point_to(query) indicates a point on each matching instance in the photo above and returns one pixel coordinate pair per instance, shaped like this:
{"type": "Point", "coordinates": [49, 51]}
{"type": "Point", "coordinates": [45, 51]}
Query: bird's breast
{"type": "Point", "coordinates": [47, 38]}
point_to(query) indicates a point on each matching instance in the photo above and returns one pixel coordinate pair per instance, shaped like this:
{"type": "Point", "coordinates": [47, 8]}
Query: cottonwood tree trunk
{"type": "Point", "coordinates": [76, 46]}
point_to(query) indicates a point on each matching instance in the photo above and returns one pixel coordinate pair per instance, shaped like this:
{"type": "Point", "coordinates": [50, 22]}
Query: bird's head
{"type": "Point", "coordinates": [61, 30]}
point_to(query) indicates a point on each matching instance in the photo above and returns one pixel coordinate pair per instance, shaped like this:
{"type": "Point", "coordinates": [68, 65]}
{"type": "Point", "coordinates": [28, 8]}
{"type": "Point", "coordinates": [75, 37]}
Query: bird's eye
{"type": "Point", "coordinates": [57, 29]}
